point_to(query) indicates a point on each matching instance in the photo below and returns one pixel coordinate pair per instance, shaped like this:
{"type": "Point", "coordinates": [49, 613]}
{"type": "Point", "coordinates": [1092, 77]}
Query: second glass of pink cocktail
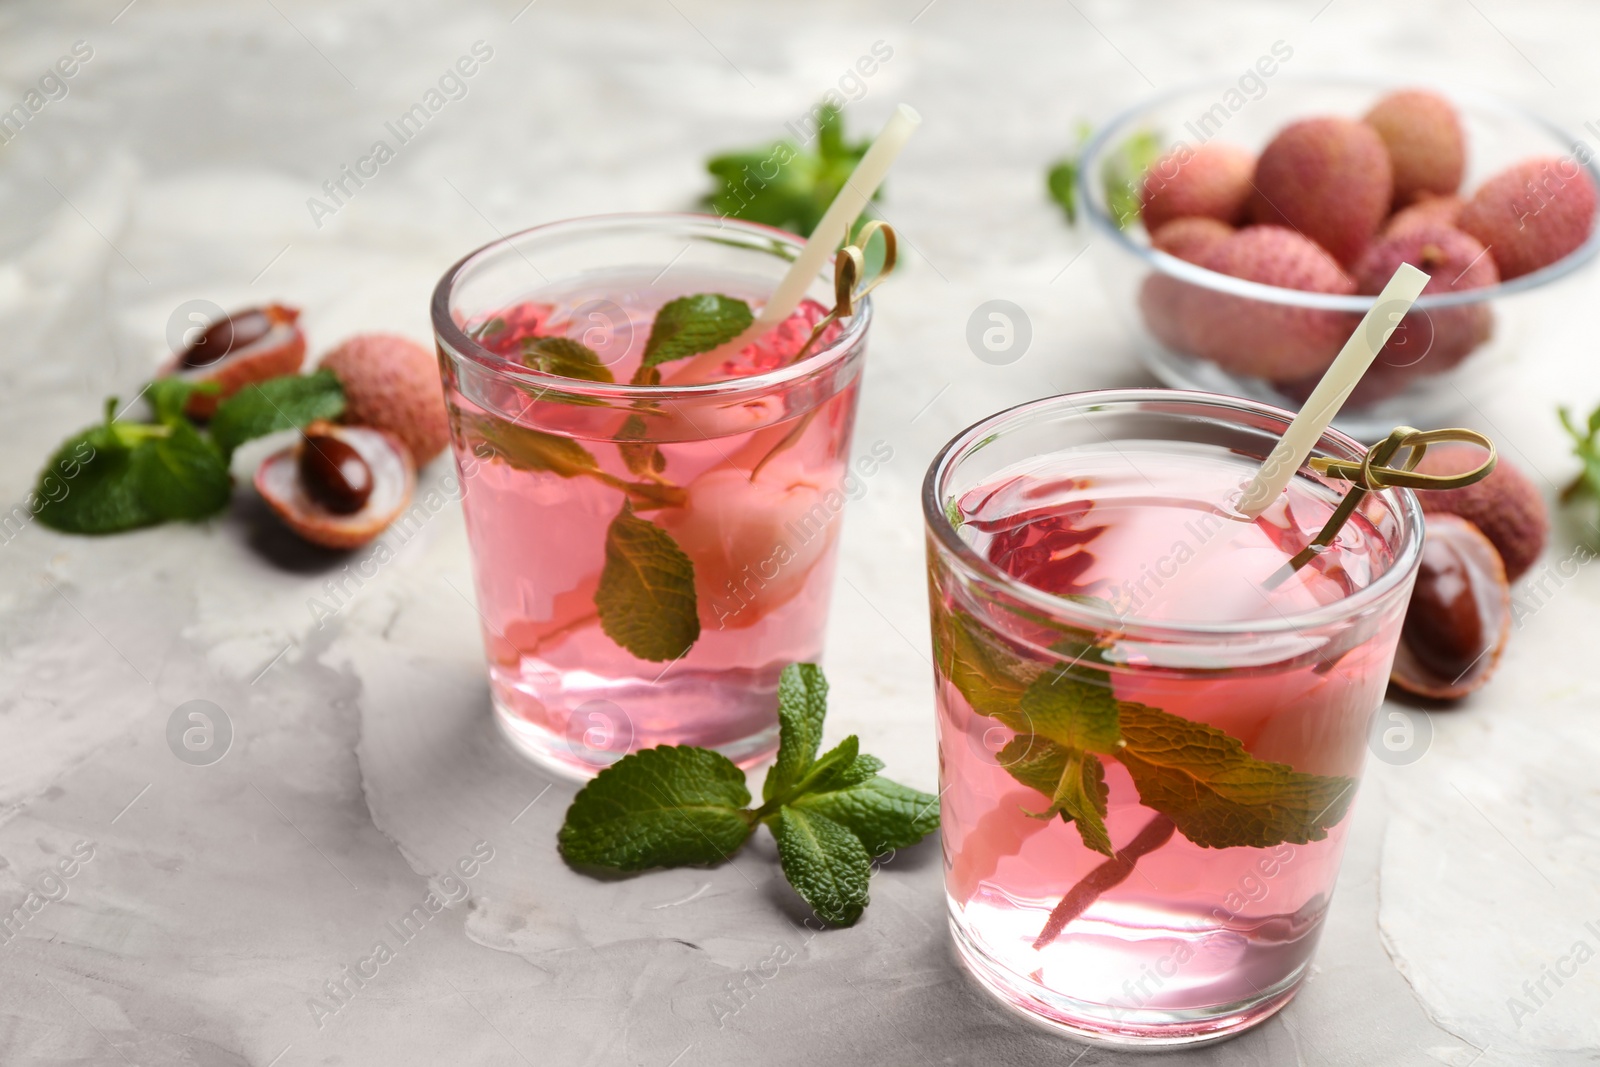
{"type": "Point", "coordinates": [1150, 730]}
{"type": "Point", "coordinates": [652, 541]}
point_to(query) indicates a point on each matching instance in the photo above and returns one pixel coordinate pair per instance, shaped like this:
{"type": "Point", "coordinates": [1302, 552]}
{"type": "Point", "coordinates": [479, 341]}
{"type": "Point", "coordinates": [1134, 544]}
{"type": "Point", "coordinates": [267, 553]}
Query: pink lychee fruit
{"type": "Point", "coordinates": [392, 383]}
{"type": "Point", "coordinates": [1211, 181]}
{"type": "Point", "coordinates": [1532, 214]}
{"type": "Point", "coordinates": [1328, 179]}
{"type": "Point", "coordinates": [1258, 337]}
{"type": "Point", "coordinates": [1427, 146]}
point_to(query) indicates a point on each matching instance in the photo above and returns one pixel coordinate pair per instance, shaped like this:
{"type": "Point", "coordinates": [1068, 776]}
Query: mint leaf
{"type": "Point", "coordinates": [1072, 706]}
{"type": "Point", "coordinates": [693, 324]}
{"type": "Point", "coordinates": [646, 596]}
{"type": "Point", "coordinates": [1073, 780]}
{"type": "Point", "coordinates": [830, 769]}
{"type": "Point", "coordinates": [826, 863]}
{"type": "Point", "coordinates": [1123, 175]}
{"type": "Point", "coordinates": [1218, 794]}
{"type": "Point", "coordinates": [783, 184]}
{"type": "Point", "coordinates": [659, 807]}
{"type": "Point", "coordinates": [181, 475]}
{"type": "Point", "coordinates": [638, 455]}
{"type": "Point", "coordinates": [565, 357]}
{"type": "Point", "coordinates": [168, 396]}
{"type": "Point", "coordinates": [862, 769]}
{"type": "Point", "coordinates": [884, 815]}
{"type": "Point", "coordinates": [989, 676]}
{"type": "Point", "coordinates": [530, 450]}
{"type": "Point", "coordinates": [291, 402]}
{"type": "Point", "coordinates": [101, 492]}
{"type": "Point", "coordinates": [1585, 448]}
{"type": "Point", "coordinates": [1062, 183]}
{"type": "Point", "coordinates": [802, 705]}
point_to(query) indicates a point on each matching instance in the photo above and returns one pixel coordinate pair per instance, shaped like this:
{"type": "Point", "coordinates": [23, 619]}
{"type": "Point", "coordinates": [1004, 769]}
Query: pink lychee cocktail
{"type": "Point", "coordinates": [650, 547]}
{"type": "Point", "coordinates": [1150, 731]}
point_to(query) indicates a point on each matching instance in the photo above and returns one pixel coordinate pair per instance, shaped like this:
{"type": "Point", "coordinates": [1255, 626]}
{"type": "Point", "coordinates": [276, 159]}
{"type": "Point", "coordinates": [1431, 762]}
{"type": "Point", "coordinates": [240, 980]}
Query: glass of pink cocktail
{"type": "Point", "coordinates": [653, 534]}
{"type": "Point", "coordinates": [1150, 731]}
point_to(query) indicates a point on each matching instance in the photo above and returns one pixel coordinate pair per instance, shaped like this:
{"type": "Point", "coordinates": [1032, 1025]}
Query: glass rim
{"type": "Point", "coordinates": [1081, 615]}
{"type": "Point", "coordinates": [1116, 128]}
{"type": "Point", "coordinates": [455, 341]}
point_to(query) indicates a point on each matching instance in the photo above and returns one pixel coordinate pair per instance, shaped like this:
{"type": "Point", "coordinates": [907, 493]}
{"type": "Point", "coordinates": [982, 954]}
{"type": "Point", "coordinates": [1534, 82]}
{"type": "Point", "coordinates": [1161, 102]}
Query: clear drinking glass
{"type": "Point", "coordinates": [574, 487]}
{"type": "Point", "coordinates": [1115, 645]}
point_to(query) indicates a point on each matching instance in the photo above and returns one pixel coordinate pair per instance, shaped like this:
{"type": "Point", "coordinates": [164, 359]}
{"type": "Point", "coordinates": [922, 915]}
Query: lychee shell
{"type": "Point", "coordinates": [1506, 505]}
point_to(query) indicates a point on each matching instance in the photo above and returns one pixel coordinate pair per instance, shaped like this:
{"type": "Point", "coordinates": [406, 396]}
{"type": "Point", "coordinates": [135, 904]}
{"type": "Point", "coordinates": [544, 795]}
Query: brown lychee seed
{"type": "Point", "coordinates": [392, 383]}
{"type": "Point", "coordinates": [313, 506]}
{"type": "Point", "coordinates": [1210, 181]}
{"type": "Point", "coordinates": [1427, 146]}
{"type": "Point", "coordinates": [332, 470]}
{"type": "Point", "coordinates": [1328, 179]}
{"type": "Point", "coordinates": [243, 348]}
{"type": "Point", "coordinates": [1532, 214]}
{"type": "Point", "coordinates": [1506, 506]}
{"type": "Point", "coordinates": [1459, 616]}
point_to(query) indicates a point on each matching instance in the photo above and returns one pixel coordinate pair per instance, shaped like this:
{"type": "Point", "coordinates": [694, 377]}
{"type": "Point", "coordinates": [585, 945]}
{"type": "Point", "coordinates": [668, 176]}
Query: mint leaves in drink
{"type": "Point", "coordinates": [679, 806]}
{"type": "Point", "coordinates": [646, 596]}
{"type": "Point", "coordinates": [1067, 720]}
{"type": "Point", "coordinates": [121, 475]}
{"type": "Point", "coordinates": [690, 325]}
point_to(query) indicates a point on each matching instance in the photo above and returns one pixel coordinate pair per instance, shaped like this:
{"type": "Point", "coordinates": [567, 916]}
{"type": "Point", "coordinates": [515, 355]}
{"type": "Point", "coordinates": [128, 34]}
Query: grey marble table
{"type": "Point", "coordinates": [209, 907]}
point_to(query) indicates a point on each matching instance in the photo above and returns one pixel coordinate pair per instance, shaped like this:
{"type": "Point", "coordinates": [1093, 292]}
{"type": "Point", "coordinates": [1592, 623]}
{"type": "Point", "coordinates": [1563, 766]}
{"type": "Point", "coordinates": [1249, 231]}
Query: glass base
{"type": "Point", "coordinates": [575, 759]}
{"type": "Point", "coordinates": [1106, 1027]}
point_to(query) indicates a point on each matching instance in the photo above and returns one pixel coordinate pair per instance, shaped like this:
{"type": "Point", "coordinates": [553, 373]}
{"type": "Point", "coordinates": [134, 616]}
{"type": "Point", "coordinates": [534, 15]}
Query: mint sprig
{"type": "Point", "coordinates": [1586, 446]}
{"type": "Point", "coordinates": [291, 402]}
{"type": "Point", "coordinates": [783, 184]}
{"type": "Point", "coordinates": [677, 806]}
{"type": "Point", "coordinates": [1067, 720]}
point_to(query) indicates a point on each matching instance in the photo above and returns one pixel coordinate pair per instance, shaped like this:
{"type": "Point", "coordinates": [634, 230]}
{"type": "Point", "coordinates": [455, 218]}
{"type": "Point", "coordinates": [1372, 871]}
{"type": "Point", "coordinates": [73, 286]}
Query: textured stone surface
{"type": "Point", "coordinates": [363, 766]}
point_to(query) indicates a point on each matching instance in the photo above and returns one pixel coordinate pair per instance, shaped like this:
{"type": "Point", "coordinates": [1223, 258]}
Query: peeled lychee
{"type": "Point", "coordinates": [1532, 214]}
{"type": "Point", "coordinates": [1190, 238]}
{"type": "Point", "coordinates": [1428, 342]}
{"type": "Point", "coordinates": [1506, 505]}
{"type": "Point", "coordinates": [753, 543]}
{"type": "Point", "coordinates": [392, 383]}
{"type": "Point", "coordinates": [1427, 147]}
{"type": "Point", "coordinates": [1257, 337]}
{"type": "Point", "coordinates": [1432, 210]}
{"type": "Point", "coordinates": [1328, 179]}
{"type": "Point", "coordinates": [1211, 181]}
{"type": "Point", "coordinates": [302, 500]}
{"type": "Point", "coordinates": [240, 349]}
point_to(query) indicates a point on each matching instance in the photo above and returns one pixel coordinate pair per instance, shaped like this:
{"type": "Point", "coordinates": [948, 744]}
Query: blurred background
{"type": "Point", "coordinates": [200, 151]}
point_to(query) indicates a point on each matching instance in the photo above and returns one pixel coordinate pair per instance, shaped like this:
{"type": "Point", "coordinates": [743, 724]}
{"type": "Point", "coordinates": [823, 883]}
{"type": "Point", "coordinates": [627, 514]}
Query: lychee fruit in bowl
{"type": "Point", "coordinates": [1261, 338]}
{"type": "Point", "coordinates": [1211, 181]}
{"type": "Point", "coordinates": [1328, 179]}
{"type": "Point", "coordinates": [1427, 146]}
{"type": "Point", "coordinates": [1532, 214]}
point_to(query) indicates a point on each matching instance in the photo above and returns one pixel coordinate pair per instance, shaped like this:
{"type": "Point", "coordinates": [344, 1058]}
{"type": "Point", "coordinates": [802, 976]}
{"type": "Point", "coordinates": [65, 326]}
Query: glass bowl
{"type": "Point", "coordinates": [1416, 380]}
